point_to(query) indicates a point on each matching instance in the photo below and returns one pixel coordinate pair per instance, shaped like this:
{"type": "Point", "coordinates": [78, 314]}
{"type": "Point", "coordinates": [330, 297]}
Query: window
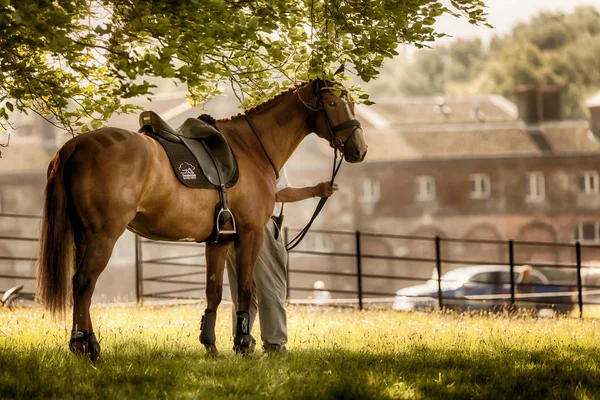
{"type": "Point", "coordinates": [480, 186]}
{"type": "Point", "coordinates": [370, 191]}
{"type": "Point", "coordinates": [535, 187]}
{"type": "Point", "coordinates": [535, 280]}
{"type": "Point", "coordinates": [588, 232]}
{"type": "Point", "coordinates": [588, 182]}
{"type": "Point", "coordinates": [424, 188]}
{"type": "Point", "coordinates": [486, 277]}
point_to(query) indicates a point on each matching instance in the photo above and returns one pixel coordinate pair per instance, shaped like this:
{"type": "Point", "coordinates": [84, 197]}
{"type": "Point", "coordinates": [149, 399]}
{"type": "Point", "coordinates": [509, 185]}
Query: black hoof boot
{"type": "Point", "coordinates": [93, 347]}
{"type": "Point", "coordinates": [242, 340]}
{"type": "Point", "coordinates": [207, 330]}
{"type": "Point", "coordinates": [84, 344]}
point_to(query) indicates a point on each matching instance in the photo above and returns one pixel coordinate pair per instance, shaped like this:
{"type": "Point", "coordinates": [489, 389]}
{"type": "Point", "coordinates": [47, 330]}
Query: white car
{"type": "Point", "coordinates": [485, 287]}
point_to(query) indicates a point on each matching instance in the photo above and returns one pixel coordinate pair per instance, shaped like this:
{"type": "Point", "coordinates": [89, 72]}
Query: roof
{"type": "Point", "coordinates": [438, 110]}
{"type": "Point", "coordinates": [478, 141]}
{"type": "Point", "coordinates": [484, 126]}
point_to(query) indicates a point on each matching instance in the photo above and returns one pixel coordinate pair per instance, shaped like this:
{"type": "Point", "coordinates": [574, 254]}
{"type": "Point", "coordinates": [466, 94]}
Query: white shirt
{"type": "Point", "coordinates": [281, 183]}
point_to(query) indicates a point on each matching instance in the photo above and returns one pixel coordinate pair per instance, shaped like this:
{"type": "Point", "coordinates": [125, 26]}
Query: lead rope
{"type": "Point", "coordinates": [296, 241]}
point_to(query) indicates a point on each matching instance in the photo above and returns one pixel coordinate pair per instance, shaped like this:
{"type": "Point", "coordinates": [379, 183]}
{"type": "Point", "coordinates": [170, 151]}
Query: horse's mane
{"type": "Point", "coordinates": [266, 103]}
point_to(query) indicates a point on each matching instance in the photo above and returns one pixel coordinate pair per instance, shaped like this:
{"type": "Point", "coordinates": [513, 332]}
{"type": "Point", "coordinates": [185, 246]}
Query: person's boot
{"type": "Point", "coordinates": [275, 348]}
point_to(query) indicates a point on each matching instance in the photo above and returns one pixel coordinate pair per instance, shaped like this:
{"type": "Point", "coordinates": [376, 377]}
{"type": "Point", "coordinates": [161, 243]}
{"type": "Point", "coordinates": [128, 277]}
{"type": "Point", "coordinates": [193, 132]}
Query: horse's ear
{"type": "Point", "coordinates": [339, 70]}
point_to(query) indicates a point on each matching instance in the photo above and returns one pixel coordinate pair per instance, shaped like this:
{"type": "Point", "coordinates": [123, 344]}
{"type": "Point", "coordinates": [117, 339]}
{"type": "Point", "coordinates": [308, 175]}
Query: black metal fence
{"type": "Point", "coordinates": [18, 253]}
{"type": "Point", "coordinates": [565, 278]}
{"type": "Point", "coordinates": [364, 269]}
{"type": "Point", "coordinates": [165, 273]}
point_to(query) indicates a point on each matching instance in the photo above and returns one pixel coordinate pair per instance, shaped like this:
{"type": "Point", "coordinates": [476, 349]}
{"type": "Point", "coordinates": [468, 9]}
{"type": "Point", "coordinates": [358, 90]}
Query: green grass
{"type": "Point", "coordinates": [153, 352]}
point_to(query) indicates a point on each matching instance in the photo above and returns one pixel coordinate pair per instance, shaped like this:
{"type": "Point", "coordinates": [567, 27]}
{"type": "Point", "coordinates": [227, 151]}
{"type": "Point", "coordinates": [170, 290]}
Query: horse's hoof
{"type": "Point", "coordinates": [244, 351]}
{"type": "Point", "coordinates": [244, 345]}
{"type": "Point", "coordinates": [211, 349]}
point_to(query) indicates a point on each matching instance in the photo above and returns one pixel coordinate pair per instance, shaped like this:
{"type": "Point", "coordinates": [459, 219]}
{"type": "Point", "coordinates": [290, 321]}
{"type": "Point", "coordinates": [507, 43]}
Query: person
{"type": "Point", "coordinates": [523, 281]}
{"type": "Point", "coordinates": [524, 286]}
{"type": "Point", "coordinates": [320, 295]}
{"type": "Point", "coordinates": [270, 273]}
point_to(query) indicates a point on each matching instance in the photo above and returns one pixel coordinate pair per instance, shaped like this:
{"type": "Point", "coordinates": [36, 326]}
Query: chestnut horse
{"type": "Point", "coordinates": [111, 179]}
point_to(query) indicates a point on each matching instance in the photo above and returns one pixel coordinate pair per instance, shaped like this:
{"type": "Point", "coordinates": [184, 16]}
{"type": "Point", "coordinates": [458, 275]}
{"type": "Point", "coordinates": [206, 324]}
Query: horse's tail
{"type": "Point", "coordinates": [56, 257]}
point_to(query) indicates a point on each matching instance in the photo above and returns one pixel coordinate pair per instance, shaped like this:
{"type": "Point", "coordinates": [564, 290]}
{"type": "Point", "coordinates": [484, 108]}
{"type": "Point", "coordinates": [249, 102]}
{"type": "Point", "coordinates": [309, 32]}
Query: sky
{"type": "Point", "coordinates": [503, 15]}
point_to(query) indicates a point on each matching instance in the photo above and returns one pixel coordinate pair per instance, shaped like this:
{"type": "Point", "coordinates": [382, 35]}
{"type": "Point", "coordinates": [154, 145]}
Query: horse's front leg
{"type": "Point", "coordinates": [215, 263]}
{"type": "Point", "coordinates": [246, 256]}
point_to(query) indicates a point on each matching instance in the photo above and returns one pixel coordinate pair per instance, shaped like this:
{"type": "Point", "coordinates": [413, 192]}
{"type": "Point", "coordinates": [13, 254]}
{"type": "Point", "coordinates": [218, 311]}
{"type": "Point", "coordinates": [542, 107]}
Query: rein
{"type": "Point", "coordinates": [296, 240]}
{"type": "Point", "coordinates": [262, 144]}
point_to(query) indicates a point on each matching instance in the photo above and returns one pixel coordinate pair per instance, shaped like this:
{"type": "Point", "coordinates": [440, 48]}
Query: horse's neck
{"type": "Point", "coordinates": [281, 127]}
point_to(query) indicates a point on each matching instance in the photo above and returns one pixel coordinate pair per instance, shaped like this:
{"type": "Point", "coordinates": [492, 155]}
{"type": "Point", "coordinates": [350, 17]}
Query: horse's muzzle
{"type": "Point", "coordinates": [355, 148]}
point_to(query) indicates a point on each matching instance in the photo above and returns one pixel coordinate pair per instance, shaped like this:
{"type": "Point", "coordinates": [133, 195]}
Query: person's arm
{"type": "Point", "coordinates": [292, 194]}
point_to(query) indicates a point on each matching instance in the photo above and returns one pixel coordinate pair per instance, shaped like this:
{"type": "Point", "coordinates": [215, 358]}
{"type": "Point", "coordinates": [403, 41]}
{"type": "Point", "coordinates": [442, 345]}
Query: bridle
{"type": "Point", "coordinates": [334, 141]}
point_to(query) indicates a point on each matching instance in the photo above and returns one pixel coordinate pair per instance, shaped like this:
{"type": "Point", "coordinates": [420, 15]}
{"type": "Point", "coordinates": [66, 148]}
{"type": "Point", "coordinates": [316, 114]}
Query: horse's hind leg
{"type": "Point", "coordinates": [92, 254]}
{"type": "Point", "coordinates": [215, 264]}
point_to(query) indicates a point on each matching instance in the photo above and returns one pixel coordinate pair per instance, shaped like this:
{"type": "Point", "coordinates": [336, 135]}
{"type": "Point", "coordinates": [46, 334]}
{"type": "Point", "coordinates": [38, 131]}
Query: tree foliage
{"type": "Point", "coordinates": [554, 49]}
{"type": "Point", "coordinates": [78, 61]}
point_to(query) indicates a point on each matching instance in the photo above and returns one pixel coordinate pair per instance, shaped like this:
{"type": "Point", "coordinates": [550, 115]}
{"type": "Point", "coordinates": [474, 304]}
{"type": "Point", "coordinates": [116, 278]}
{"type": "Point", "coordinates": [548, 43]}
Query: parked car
{"type": "Point", "coordinates": [487, 287]}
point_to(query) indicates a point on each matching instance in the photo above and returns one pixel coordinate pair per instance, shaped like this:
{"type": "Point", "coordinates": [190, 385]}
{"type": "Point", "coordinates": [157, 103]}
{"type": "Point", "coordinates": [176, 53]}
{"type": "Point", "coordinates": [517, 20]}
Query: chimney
{"type": "Point", "coordinates": [527, 100]}
{"type": "Point", "coordinates": [550, 101]}
{"type": "Point", "coordinates": [595, 120]}
{"type": "Point", "coordinates": [532, 110]}
{"type": "Point", "coordinates": [593, 105]}
{"type": "Point", "coordinates": [536, 105]}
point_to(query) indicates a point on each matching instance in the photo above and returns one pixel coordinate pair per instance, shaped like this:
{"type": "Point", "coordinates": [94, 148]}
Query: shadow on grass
{"type": "Point", "coordinates": [138, 371]}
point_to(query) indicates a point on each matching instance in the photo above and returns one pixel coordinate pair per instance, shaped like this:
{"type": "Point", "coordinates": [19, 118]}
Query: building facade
{"type": "Point", "coordinates": [472, 168]}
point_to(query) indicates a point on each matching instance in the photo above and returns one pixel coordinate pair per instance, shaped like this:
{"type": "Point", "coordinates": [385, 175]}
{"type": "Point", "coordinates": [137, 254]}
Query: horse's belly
{"type": "Point", "coordinates": [168, 210]}
{"type": "Point", "coordinates": [180, 227]}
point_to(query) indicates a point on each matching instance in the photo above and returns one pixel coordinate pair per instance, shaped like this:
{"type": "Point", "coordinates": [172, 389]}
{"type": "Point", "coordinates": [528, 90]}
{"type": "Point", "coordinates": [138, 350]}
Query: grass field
{"type": "Point", "coordinates": [153, 352]}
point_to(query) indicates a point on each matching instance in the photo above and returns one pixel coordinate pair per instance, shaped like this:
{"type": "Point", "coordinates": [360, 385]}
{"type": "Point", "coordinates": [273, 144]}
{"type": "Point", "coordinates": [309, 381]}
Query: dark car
{"type": "Point", "coordinates": [487, 287]}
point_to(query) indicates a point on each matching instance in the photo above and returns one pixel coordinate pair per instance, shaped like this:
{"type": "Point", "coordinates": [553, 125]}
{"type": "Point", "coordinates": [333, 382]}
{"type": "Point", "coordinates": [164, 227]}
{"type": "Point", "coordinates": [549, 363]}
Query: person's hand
{"type": "Point", "coordinates": [324, 190]}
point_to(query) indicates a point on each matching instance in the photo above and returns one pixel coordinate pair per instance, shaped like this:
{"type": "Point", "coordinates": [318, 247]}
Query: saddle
{"type": "Point", "coordinates": [201, 158]}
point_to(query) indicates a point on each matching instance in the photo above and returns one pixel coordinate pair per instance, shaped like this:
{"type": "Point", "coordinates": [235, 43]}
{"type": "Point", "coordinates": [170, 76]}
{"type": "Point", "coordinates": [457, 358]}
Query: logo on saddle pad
{"type": "Point", "coordinates": [187, 171]}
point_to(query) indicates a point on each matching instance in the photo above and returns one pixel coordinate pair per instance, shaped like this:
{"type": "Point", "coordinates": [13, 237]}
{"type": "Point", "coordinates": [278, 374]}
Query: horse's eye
{"type": "Point", "coordinates": [331, 103]}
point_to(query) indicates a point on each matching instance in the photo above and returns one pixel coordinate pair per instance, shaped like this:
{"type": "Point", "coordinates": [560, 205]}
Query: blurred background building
{"type": "Point", "coordinates": [467, 140]}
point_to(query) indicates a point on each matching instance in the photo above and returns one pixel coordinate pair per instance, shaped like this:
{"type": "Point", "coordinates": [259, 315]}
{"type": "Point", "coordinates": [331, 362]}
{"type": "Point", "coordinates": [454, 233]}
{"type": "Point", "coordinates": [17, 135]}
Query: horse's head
{"type": "Point", "coordinates": [333, 119]}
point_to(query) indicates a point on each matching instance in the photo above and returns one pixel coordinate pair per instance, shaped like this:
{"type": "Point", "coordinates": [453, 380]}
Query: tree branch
{"type": "Point", "coordinates": [5, 145]}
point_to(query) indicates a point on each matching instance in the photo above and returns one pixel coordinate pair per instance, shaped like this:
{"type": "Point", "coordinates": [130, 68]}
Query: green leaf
{"type": "Point", "coordinates": [200, 44]}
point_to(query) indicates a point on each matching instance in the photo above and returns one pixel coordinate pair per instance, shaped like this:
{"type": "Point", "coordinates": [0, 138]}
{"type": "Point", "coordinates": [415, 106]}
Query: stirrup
{"type": "Point", "coordinates": [225, 235]}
